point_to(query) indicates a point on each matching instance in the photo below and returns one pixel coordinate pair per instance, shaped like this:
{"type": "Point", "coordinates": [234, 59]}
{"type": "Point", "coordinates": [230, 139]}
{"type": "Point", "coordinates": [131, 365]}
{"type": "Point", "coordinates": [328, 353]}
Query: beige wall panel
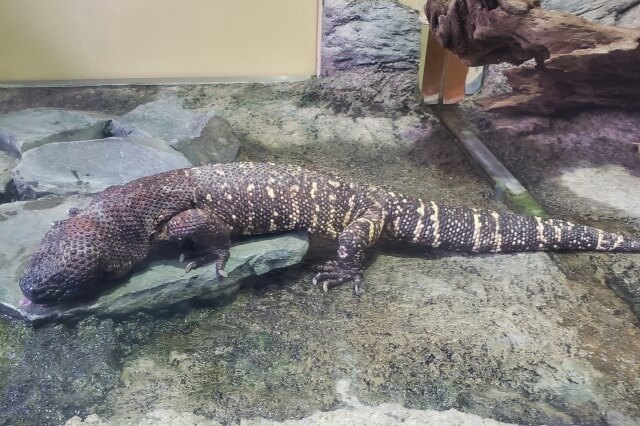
{"type": "Point", "coordinates": [156, 39]}
{"type": "Point", "coordinates": [414, 4]}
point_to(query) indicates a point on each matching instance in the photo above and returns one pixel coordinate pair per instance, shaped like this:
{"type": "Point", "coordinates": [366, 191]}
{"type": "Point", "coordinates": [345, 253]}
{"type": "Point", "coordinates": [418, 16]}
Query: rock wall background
{"type": "Point", "coordinates": [371, 47]}
{"type": "Point", "coordinates": [384, 36]}
{"type": "Point", "coordinates": [625, 13]}
{"type": "Point", "coordinates": [369, 35]}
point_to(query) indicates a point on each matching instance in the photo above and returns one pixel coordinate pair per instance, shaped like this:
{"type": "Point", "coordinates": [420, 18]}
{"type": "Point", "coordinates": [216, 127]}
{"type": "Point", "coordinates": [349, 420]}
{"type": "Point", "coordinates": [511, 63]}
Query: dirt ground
{"type": "Point", "coordinates": [524, 338]}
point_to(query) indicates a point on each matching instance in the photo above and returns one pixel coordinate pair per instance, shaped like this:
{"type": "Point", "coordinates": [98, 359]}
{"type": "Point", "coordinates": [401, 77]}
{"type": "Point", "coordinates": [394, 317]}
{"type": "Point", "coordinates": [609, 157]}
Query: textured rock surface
{"type": "Point", "coordinates": [482, 319]}
{"type": "Point", "coordinates": [381, 415]}
{"type": "Point", "coordinates": [580, 63]}
{"type": "Point", "coordinates": [7, 163]}
{"type": "Point", "coordinates": [369, 35]}
{"type": "Point", "coordinates": [165, 119]}
{"type": "Point", "coordinates": [201, 137]}
{"type": "Point", "coordinates": [615, 189]}
{"type": "Point", "coordinates": [622, 277]}
{"type": "Point", "coordinates": [509, 337]}
{"type": "Point", "coordinates": [625, 13]}
{"type": "Point", "coordinates": [217, 143]}
{"type": "Point", "coordinates": [79, 367]}
{"type": "Point", "coordinates": [587, 183]}
{"type": "Point", "coordinates": [30, 128]}
{"type": "Point", "coordinates": [87, 167]}
{"type": "Point", "coordinates": [160, 283]}
{"type": "Point", "coordinates": [26, 222]}
{"type": "Point", "coordinates": [584, 165]}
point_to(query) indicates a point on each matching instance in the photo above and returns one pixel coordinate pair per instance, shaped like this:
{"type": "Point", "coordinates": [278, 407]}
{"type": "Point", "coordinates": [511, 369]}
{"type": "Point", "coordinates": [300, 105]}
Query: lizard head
{"type": "Point", "coordinates": [66, 264]}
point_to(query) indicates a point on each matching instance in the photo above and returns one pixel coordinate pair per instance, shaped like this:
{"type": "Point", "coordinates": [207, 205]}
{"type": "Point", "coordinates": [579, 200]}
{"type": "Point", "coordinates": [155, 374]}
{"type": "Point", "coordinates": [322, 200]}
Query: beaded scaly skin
{"type": "Point", "coordinates": [206, 205]}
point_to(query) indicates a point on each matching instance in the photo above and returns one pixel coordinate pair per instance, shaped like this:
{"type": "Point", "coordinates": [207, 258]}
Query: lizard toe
{"type": "Point", "coordinates": [190, 267]}
{"type": "Point", "coordinates": [332, 274]}
{"type": "Point", "coordinates": [197, 262]}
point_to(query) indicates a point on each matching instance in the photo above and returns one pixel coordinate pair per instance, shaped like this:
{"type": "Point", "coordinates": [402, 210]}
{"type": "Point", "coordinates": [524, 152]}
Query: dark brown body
{"type": "Point", "coordinates": [208, 204]}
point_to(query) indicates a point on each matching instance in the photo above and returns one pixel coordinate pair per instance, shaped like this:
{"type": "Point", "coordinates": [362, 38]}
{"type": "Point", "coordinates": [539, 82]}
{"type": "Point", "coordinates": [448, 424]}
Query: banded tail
{"type": "Point", "coordinates": [483, 231]}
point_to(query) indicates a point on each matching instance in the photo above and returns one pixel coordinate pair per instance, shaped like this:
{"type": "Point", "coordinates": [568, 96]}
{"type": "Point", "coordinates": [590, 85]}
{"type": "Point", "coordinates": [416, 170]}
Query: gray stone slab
{"type": "Point", "coordinates": [87, 167]}
{"type": "Point", "coordinates": [217, 143]}
{"type": "Point", "coordinates": [202, 137]}
{"type": "Point", "coordinates": [7, 163]}
{"type": "Point", "coordinates": [159, 283]}
{"type": "Point", "coordinates": [150, 142]}
{"type": "Point", "coordinates": [630, 18]}
{"type": "Point", "coordinates": [164, 119]}
{"type": "Point", "coordinates": [612, 185]}
{"type": "Point", "coordinates": [22, 225]}
{"type": "Point", "coordinates": [23, 130]}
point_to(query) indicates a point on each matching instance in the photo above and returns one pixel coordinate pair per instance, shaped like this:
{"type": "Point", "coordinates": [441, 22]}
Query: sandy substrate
{"type": "Point", "coordinates": [523, 338]}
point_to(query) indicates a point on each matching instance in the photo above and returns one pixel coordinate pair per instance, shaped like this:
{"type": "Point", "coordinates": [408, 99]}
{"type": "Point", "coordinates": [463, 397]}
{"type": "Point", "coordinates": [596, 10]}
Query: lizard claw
{"type": "Point", "coordinates": [190, 267]}
{"type": "Point", "coordinates": [333, 273]}
{"type": "Point", "coordinates": [220, 256]}
{"type": "Point", "coordinates": [221, 260]}
{"type": "Point", "coordinates": [357, 281]}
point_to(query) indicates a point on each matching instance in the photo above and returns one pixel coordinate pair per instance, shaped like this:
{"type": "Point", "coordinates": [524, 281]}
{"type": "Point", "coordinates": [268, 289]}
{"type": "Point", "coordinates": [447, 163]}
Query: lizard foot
{"type": "Point", "coordinates": [197, 259]}
{"type": "Point", "coordinates": [334, 273]}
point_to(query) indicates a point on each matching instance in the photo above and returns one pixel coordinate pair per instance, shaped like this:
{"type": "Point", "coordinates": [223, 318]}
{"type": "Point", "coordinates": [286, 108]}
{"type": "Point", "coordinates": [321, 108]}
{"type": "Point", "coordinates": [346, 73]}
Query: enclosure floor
{"type": "Point", "coordinates": [525, 338]}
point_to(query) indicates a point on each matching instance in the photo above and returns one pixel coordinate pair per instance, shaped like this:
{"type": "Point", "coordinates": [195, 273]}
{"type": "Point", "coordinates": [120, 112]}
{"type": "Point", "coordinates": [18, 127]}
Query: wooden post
{"type": "Point", "coordinates": [442, 74]}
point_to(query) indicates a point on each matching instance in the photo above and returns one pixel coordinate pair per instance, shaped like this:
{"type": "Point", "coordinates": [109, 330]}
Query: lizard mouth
{"type": "Point", "coordinates": [43, 292]}
{"type": "Point", "coordinates": [56, 290]}
{"type": "Point", "coordinates": [42, 296]}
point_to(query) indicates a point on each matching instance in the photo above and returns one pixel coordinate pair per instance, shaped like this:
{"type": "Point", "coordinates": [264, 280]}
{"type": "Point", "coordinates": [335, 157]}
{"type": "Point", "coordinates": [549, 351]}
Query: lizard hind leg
{"type": "Point", "coordinates": [360, 234]}
{"type": "Point", "coordinates": [209, 234]}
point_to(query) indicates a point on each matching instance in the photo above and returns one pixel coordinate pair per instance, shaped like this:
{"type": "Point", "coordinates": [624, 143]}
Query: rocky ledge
{"type": "Point", "coordinates": [61, 158]}
{"type": "Point", "coordinates": [45, 151]}
{"type": "Point", "coordinates": [159, 283]}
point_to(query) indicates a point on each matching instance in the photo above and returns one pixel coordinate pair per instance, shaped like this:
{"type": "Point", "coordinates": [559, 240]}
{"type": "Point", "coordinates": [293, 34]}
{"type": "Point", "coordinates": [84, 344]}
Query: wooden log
{"type": "Point", "coordinates": [578, 62]}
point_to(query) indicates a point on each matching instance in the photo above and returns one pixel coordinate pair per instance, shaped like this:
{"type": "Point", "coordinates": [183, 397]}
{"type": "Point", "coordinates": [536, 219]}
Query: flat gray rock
{"type": "Point", "coordinates": [159, 283]}
{"type": "Point", "coordinates": [7, 163]}
{"type": "Point", "coordinates": [23, 130]}
{"type": "Point", "coordinates": [87, 167]}
{"type": "Point", "coordinates": [165, 119]}
{"type": "Point", "coordinates": [202, 137]}
{"type": "Point", "coordinates": [23, 224]}
{"type": "Point", "coordinates": [217, 143]}
{"type": "Point", "coordinates": [612, 186]}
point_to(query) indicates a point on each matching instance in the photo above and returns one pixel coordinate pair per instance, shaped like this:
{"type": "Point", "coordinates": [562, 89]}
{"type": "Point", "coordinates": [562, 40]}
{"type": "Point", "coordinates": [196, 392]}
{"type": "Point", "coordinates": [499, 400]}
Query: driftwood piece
{"type": "Point", "coordinates": [578, 62]}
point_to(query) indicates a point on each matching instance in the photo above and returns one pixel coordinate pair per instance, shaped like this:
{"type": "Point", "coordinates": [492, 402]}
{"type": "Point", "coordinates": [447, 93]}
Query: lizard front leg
{"type": "Point", "coordinates": [360, 234]}
{"type": "Point", "coordinates": [208, 232]}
